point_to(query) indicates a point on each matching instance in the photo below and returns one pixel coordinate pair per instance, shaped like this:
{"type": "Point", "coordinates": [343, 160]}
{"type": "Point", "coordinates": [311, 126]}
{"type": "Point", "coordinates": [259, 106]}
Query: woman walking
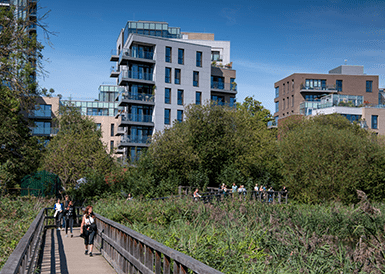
{"type": "Point", "coordinates": [88, 229]}
{"type": "Point", "coordinates": [58, 213]}
{"type": "Point", "coordinates": [70, 213]}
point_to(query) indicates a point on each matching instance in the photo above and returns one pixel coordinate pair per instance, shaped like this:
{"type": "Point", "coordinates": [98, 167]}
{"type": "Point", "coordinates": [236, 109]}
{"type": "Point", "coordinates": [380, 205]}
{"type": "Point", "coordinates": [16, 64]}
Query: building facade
{"type": "Point", "coordinates": [345, 90]}
{"type": "Point", "coordinates": [161, 70]}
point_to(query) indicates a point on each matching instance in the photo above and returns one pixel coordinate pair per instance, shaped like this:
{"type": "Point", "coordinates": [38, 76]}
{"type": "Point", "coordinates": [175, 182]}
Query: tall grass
{"type": "Point", "coordinates": [16, 215]}
{"type": "Point", "coordinates": [240, 236]}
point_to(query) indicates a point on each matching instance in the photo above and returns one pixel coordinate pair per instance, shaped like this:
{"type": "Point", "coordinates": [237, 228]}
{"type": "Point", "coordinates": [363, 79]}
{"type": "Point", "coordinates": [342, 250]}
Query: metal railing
{"type": "Point", "coordinates": [131, 252]}
{"type": "Point", "coordinates": [136, 54]}
{"type": "Point", "coordinates": [129, 74]}
{"type": "Point", "coordinates": [130, 117]}
{"type": "Point", "coordinates": [137, 97]}
{"type": "Point", "coordinates": [223, 86]}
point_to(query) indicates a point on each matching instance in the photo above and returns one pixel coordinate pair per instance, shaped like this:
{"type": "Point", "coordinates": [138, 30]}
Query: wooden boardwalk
{"type": "Point", "coordinates": [66, 255]}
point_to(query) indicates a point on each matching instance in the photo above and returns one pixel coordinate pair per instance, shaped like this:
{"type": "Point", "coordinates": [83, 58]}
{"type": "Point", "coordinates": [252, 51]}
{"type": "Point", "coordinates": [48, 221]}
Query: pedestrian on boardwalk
{"type": "Point", "coordinates": [70, 213]}
{"type": "Point", "coordinates": [234, 188]}
{"type": "Point", "coordinates": [58, 213]}
{"type": "Point", "coordinates": [88, 229]}
{"type": "Point", "coordinates": [196, 194]}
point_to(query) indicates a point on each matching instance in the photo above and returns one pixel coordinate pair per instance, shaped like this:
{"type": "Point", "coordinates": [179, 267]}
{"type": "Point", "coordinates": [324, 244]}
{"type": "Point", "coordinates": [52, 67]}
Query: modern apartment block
{"type": "Point", "coordinates": [346, 90]}
{"type": "Point", "coordinates": [161, 70]}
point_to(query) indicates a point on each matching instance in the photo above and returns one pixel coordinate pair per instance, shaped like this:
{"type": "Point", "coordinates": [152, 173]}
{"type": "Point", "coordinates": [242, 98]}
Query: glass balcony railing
{"type": "Point", "coordinates": [114, 70]}
{"type": "Point", "coordinates": [127, 139]}
{"type": "Point", "coordinates": [326, 88]}
{"type": "Point", "coordinates": [41, 113]}
{"type": "Point", "coordinates": [129, 74]}
{"type": "Point", "coordinates": [44, 131]}
{"type": "Point", "coordinates": [224, 86]}
{"type": "Point", "coordinates": [272, 124]}
{"type": "Point", "coordinates": [137, 97]}
{"type": "Point", "coordinates": [136, 54]}
{"type": "Point", "coordinates": [129, 117]}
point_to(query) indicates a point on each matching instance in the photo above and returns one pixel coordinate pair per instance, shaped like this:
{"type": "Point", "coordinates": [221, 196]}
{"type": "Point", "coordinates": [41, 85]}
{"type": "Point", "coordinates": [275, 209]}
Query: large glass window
{"type": "Point", "coordinates": [232, 101]}
{"type": "Point", "coordinates": [196, 79]}
{"type": "Point", "coordinates": [42, 111]}
{"type": "Point", "coordinates": [98, 126]}
{"type": "Point", "coordinates": [181, 56]}
{"type": "Point", "coordinates": [180, 97]}
{"type": "Point", "coordinates": [215, 56]}
{"type": "Point", "coordinates": [199, 59]}
{"type": "Point", "coordinates": [168, 54]}
{"type": "Point", "coordinates": [198, 98]}
{"type": "Point", "coordinates": [168, 75]}
{"type": "Point", "coordinates": [276, 92]}
{"type": "Point", "coordinates": [339, 85]}
{"type": "Point", "coordinates": [42, 128]}
{"type": "Point", "coordinates": [167, 96]}
{"type": "Point", "coordinates": [167, 116]}
{"type": "Point", "coordinates": [219, 100]}
{"type": "Point", "coordinates": [374, 121]}
{"type": "Point", "coordinates": [276, 106]}
{"type": "Point", "coordinates": [179, 115]}
{"type": "Point", "coordinates": [369, 85]}
{"type": "Point", "coordinates": [217, 82]}
{"type": "Point", "coordinates": [111, 146]}
{"type": "Point", "coordinates": [177, 76]}
{"type": "Point", "coordinates": [315, 84]}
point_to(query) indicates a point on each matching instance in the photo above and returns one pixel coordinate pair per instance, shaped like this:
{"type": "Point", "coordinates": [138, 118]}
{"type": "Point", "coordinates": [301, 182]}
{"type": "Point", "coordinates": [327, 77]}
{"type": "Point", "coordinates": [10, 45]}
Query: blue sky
{"type": "Point", "coordinates": [269, 39]}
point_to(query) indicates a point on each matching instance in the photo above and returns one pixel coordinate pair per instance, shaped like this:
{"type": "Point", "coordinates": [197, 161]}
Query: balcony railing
{"type": "Point", "coordinates": [272, 124]}
{"type": "Point", "coordinates": [44, 131]}
{"type": "Point", "coordinates": [135, 75]}
{"type": "Point", "coordinates": [326, 88]}
{"type": "Point", "coordinates": [128, 139]}
{"type": "Point", "coordinates": [42, 114]}
{"type": "Point", "coordinates": [223, 86]}
{"type": "Point", "coordinates": [137, 97]}
{"type": "Point", "coordinates": [149, 55]}
{"type": "Point", "coordinates": [129, 117]}
{"type": "Point", "coordinates": [114, 70]}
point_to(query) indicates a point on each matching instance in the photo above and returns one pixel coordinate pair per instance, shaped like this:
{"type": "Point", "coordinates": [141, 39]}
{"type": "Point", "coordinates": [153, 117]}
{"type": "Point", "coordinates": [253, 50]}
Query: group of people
{"type": "Point", "coordinates": [65, 216]}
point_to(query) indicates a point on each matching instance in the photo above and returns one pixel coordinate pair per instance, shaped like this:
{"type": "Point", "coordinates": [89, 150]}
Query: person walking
{"type": "Point", "coordinates": [196, 194]}
{"type": "Point", "coordinates": [88, 229]}
{"type": "Point", "coordinates": [58, 213]}
{"type": "Point", "coordinates": [64, 213]}
{"type": "Point", "coordinates": [70, 213]}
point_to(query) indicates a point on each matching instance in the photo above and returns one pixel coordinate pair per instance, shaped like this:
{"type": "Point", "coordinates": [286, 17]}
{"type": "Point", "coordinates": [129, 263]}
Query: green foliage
{"type": "Point", "coordinates": [76, 148]}
{"type": "Point", "coordinates": [326, 158]}
{"type": "Point", "coordinates": [16, 215]}
{"type": "Point", "coordinates": [239, 236]}
{"type": "Point", "coordinates": [213, 144]}
{"type": "Point", "coordinates": [20, 56]}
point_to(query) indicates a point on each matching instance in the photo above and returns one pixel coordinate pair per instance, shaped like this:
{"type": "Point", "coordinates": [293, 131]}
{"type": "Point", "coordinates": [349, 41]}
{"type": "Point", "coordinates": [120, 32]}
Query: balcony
{"type": "Point", "coordinates": [127, 76]}
{"type": "Point", "coordinates": [119, 151]}
{"type": "Point", "coordinates": [39, 131]}
{"type": "Point", "coordinates": [136, 119]}
{"type": "Point", "coordinates": [32, 13]}
{"type": "Point", "coordinates": [114, 72]}
{"type": "Point", "coordinates": [142, 56]}
{"type": "Point", "coordinates": [138, 99]}
{"type": "Point", "coordinates": [31, 27]}
{"type": "Point", "coordinates": [45, 114]}
{"type": "Point", "coordinates": [121, 131]}
{"type": "Point", "coordinates": [230, 88]}
{"type": "Point", "coordinates": [323, 89]}
{"type": "Point", "coordinates": [114, 56]}
{"type": "Point", "coordinates": [134, 141]}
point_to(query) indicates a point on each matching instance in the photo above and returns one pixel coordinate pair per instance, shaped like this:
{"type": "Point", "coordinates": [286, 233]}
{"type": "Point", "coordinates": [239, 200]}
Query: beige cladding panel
{"type": "Point", "coordinates": [106, 122]}
{"type": "Point", "coordinates": [199, 36]}
{"type": "Point", "coordinates": [367, 115]}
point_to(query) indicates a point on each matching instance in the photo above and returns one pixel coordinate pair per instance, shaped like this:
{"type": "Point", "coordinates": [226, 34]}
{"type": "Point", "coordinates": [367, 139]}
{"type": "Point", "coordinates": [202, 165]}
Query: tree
{"type": "Point", "coordinates": [76, 148]}
{"type": "Point", "coordinates": [328, 158]}
{"type": "Point", "coordinates": [213, 144]}
{"type": "Point", "coordinates": [20, 56]}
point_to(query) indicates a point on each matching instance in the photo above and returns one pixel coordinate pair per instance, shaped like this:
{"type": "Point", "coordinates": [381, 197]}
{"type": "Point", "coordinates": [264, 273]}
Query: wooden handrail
{"type": "Point", "coordinates": [127, 250]}
{"type": "Point", "coordinates": [24, 258]}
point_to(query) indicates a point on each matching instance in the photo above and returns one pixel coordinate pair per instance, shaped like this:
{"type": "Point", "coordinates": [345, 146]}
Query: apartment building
{"type": "Point", "coordinates": [346, 90]}
{"type": "Point", "coordinates": [161, 70]}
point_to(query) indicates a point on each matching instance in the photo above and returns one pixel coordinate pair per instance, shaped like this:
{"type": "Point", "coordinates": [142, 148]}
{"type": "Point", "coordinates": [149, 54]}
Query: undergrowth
{"type": "Point", "coordinates": [16, 215]}
{"type": "Point", "coordinates": [238, 236]}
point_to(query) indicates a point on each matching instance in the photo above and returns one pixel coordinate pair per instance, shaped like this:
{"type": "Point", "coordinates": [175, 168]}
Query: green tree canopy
{"type": "Point", "coordinates": [326, 158]}
{"type": "Point", "coordinates": [213, 144]}
{"type": "Point", "coordinates": [76, 148]}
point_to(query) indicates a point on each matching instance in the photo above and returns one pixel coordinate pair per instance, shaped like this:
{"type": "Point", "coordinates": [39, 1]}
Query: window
{"type": "Point", "coordinates": [42, 111]}
{"type": "Point", "coordinates": [288, 101]}
{"type": "Point", "coordinates": [218, 100]}
{"type": "Point", "coordinates": [283, 89]}
{"type": "Point", "coordinates": [167, 96]}
{"type": "Point", "coordinates": [180, 97]}
{"type": "Point", "coordinates": [215, 56]}
{"type": "Point", "coordinates": [168, 75]}
{"type": "Point", "coordinates": [167, 116]}
{"type": "Point", "coordinates": [179, 115]}
{"type": "Point", "coordinates": [196, 79]}
{"type": "Point", "coordinates": [168, 54]}
{"type": "Point", "coordinates": [198, 98]}
{"type": "Point", "coordinates": [112, 130]}
{"type": "Point", "coordinates": [276, 92]}
{"type": "Point", "coordinates": [317, 84]}
{"type": "Point", "coordinates": [292, 85]}
{"type": "Point", "coordinates": [374, 121]}
{"type": "Point", "coordinates": [42, 128]}
{"type": "Point", "coordinates": [292, 101]}
{"type": "Point", "coordinates": [369, 85]}
{"type": "Point", "coordinates": [339, 85]}
{"type": "Point", "coordinates": [217, 82]}
{"type": "Point", "coordinates": [112, 146]}
{"type": "Point", "coordinates": [283, 104]}
{"type": "Point", "coordinates": [177, 76]}
{"type": "Point", "coordinates": [199, 59]}
{"type": "Point", "coordinates": [98, 126]}
{"type": "Point", "coordinates": [181, 56]}
{"type": "Point", "coordinates": [232, 101]}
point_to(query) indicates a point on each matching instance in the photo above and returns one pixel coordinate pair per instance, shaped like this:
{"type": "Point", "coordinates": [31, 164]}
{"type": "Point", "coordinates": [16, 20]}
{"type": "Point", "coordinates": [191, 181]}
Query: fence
{"type": "Point", "coordinates": [131, 252]}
